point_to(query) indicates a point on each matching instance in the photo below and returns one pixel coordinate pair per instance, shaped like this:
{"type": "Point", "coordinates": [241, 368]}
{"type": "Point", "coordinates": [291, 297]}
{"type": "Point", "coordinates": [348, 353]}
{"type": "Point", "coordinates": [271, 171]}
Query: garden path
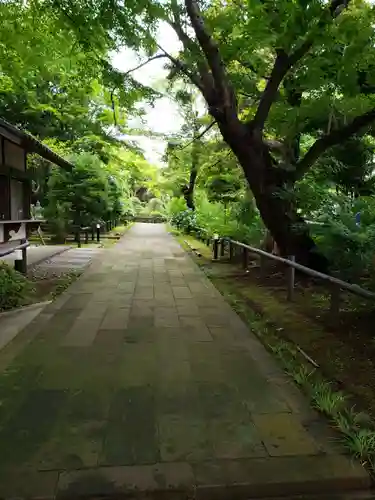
{"type": "Point", "coordinates": [141, 378]}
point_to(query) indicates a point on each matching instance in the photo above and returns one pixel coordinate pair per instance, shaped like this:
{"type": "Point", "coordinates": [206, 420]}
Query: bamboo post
{"type": "Point", "coordinates": [290, 276]}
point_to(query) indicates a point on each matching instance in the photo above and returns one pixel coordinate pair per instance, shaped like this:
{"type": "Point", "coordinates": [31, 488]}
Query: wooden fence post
{"type": "Point", "coordinates": [230, 250]}
{"type": "Point", "coordinates": [216, 249]}
{"type": "Point", "coordinates": [245, 257]}
{"type": "Point", "coordinates": [262, 265]}
{"type": "Point", "coordinates": [290, 274]}
{"type": "Point", "coordinates": [222, 247]}
{"type": "Point", "coordinates": [21, 265]}
{"type": "Point", "coordinates": [24, 260]}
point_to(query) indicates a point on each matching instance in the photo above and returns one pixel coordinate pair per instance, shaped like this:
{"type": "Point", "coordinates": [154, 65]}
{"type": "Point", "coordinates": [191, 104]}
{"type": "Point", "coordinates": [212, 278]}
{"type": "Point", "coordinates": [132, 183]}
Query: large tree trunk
{"type": "Point", "coordinates": [267, 183]}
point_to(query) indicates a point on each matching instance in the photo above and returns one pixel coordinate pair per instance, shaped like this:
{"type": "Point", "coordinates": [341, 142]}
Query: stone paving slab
{"type": "Point", "coordinates": [141, 380]}
{"type": "Point", "coordinates": [234, 479]}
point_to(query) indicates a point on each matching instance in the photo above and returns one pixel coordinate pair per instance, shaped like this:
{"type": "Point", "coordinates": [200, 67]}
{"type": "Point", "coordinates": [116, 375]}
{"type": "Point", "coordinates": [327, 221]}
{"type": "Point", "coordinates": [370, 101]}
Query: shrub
{"type": "Point", "coordinates": [175, 206]}
{"type": "Point", "coordinates": [139, 207]}
{"type": "Point", "coordinates": [155, 205]}
{"type": "Point", "coordinates": [348, 247]}
{"type": "Point", "coordinates": [14, 288]}
{"type": "Point", "coordinates": [186, 221]}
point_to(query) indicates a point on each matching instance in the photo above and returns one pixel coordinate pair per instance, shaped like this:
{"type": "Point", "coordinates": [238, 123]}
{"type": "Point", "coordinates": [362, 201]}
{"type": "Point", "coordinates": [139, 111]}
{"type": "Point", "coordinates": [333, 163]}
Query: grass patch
{"type": "Point", "coordinates": [121, 229]}
{"type": "Point", "coordinates": [190, 243]}
{"type": "Point", "coordinates": [49, 285]}
{"type": "Point", "coordinates": [285, 331]}
{"type": "Point", "coordinates": [63, 283]}
{"type": "Point", "coordinates": [35, 287]}
{"type": "Point", "coordinates": [15, 288]}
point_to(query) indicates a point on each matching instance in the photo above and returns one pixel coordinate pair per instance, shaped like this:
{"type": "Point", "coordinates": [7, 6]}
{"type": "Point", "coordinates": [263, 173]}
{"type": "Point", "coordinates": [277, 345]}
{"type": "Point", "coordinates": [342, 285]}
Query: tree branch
{"type": "Point", "coordinates": [211, 51]}
{"type": "Point", "coordinates": [184, 69]}
{"type": "Point", "coordinates": [328, 140]}
{"type": "Point", "coordinates": [279, 70]}
{"type": "Point", "coordinates": [251, 67]}
{"type": "Point", "coordinates": [283, 63]}
{"type": "Point", "coordinates": [220, 160]}
{"type": "Point", "coordinates": [276, 146]}
{"type": "Point", "coordinates": [331, 12]}
{"type": "Point", "coordinates": [113, 107]}
{"type": "Point", "coordinates": [153, 58]}
{"type": "Point", "coordinates": [196, 138]}
{"type": "Point", "coordinates": [190, 46]}
{"type": "Point", "coordinates": [186, 41]}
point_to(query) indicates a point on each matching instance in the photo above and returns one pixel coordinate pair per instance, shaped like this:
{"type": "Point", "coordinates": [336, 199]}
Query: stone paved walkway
{"type": "Point", "coordinates": [141, 378]}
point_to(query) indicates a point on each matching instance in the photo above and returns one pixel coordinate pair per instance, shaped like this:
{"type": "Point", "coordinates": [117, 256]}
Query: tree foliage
{"type": "Point", "coordinates": [288, 88]}
{"type": "Point", "coordinates": [284, 81]}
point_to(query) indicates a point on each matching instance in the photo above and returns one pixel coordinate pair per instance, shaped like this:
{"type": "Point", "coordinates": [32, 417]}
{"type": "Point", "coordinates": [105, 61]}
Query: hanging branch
{"type": "Point", "coordinates": [336, 136]}
{"type": "Point", "coordinates": [113, 107]}
{"type": "Point", "coordinates": [183, 68]}
{"type": "Point", "coordinates": [284, 63]}
{"type": "Point", "coordinates": [220, 159]}
{"type": "Point", "coordinates": [153, 58]}
{"type": "Point", "coordinates": [196, 138]}
{"type": "Point", "coordinates": [211, 51]}
{"type": "Point", "coordinates": [191, 46]}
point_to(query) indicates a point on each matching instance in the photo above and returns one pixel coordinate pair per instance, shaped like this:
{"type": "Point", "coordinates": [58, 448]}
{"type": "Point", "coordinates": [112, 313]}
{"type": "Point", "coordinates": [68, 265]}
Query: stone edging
{"type": "Point", "coordinates": [24, 308]}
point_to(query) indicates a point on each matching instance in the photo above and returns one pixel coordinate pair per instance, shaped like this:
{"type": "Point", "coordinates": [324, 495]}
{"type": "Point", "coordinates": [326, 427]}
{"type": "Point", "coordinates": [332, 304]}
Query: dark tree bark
{"type": "Point", "coordinates": [268, 184]}
{"type": "Point", "coordinates": [188, 191]}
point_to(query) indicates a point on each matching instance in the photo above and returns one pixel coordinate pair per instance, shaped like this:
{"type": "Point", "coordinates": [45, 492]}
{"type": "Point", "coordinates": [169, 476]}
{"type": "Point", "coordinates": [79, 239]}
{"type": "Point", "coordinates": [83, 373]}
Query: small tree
{"type": "Point", "coordinates": [79, 196]}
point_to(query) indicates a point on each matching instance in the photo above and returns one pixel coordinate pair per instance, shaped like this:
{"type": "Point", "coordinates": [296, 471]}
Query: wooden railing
{"type": "Point", "coordinates": [19, 264]}
{"type": "Point", "coordinates": [222, 245]}
{"type": "Point", "coordinates": [82, 234]}
{"type": "Point", "coordinates": [9, 251]}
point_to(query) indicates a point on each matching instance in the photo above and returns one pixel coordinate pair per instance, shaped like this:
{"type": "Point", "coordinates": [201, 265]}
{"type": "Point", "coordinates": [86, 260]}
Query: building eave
{"type": "Point", "coordinates": [32, 145]}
